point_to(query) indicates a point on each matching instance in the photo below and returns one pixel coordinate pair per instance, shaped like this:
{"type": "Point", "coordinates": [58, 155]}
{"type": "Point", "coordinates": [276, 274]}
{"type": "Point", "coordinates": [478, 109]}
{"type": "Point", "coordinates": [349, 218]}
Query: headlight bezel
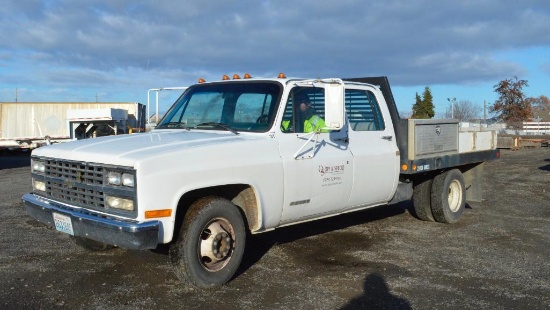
{"type": "Point", "coordinates": [120, 181]}
{"type": "Point", "coordinates": [118, 178]}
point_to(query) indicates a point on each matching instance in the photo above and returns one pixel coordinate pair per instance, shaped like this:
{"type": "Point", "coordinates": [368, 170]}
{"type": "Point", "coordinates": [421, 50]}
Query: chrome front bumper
{"type": "Point", "coordinates": [124, 234]}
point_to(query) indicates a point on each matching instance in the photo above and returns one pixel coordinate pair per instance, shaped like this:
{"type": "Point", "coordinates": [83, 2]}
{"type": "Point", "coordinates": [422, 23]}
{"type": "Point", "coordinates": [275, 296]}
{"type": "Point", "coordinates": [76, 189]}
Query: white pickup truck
{"type": "Point", "coordinates": [235, 156]}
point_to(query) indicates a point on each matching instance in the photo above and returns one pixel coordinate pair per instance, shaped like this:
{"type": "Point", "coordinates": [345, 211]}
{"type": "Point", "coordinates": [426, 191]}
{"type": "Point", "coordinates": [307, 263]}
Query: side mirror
{"type": "Point", "coordinates": [334, 104]}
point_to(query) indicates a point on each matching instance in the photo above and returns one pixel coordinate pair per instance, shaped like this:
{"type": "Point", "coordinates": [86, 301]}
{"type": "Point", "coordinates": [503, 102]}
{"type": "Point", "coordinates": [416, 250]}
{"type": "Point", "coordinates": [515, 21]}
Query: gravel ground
{"type": "Point", "coordinates": [495, 257]}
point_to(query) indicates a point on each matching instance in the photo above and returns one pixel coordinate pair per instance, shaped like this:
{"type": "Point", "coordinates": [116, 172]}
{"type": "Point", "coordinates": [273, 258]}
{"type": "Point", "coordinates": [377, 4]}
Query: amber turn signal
{"type": "Point", "coordinates": [158, 213]}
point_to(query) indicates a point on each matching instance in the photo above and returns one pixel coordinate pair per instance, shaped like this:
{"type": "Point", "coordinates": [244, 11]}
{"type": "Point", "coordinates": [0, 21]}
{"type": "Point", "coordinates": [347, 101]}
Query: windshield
{"type": "Point", "coordinates": [235, 106]}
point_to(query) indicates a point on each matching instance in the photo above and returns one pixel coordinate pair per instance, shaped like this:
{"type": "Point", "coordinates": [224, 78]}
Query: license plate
{"type": "Point", "coordinates": [63, 223]}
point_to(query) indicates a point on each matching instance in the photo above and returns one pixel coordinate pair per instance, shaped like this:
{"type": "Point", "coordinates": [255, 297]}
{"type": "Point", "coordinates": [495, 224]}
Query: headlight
{"type": "Point", "coordinates": [38, 185]}
{"type": "Point", "coordinates": [117, 178]}
{"type": "Point", "coordinates": [128, 179]}
{"type": "Point", "coordinates": [120, 203]}
{"type": "Point", "coordinates": [113, 178]}
{"type": "Point", "coordinates": [38, 166]}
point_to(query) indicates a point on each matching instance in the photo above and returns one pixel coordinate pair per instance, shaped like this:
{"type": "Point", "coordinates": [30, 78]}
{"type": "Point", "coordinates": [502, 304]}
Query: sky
{"type": "Point", "coordinates": [116, 50]}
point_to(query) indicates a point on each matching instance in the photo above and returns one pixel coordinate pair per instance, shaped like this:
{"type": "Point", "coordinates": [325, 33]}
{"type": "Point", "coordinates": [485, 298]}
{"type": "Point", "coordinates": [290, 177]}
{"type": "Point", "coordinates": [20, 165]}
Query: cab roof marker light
{"type": "Point", "coordinates": [201, 80]}
{"type": "Point", "coordinates": [236, 77]}
{"type": "Point", "coordinates": [225, 77]}
{"type": "Point", "coordinates": [281, 76]}
{"type": "Point", "coordinates": [247, 76]}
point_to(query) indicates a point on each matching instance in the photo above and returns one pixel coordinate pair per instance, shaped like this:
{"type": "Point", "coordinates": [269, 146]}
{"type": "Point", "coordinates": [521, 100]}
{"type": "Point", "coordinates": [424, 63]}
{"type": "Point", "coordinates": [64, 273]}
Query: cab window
{"type": "Point", "coordinates": [304, 110]}
{"type": "Point", "coordinates": [363, 111]}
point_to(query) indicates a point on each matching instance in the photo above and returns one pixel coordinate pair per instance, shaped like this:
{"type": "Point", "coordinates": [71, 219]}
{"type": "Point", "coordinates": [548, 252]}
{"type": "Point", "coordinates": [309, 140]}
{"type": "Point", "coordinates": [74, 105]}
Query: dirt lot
{"type": "Point", "coordinates": [496, 257]}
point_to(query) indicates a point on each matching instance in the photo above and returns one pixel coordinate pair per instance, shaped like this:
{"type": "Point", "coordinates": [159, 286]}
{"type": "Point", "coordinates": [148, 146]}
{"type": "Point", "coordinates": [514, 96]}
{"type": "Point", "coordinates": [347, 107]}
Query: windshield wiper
{"type": "Point", "coordinates": [218, 125]}
{"type": "Point", "coordinates": [174, 125]}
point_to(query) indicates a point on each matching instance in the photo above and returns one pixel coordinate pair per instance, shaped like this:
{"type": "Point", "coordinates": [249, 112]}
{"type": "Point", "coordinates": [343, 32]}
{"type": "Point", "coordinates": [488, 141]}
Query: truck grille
{"type": "Point", "coordinates": [80, 172]}
{"type": "Point", "coordinates": [76, 183]}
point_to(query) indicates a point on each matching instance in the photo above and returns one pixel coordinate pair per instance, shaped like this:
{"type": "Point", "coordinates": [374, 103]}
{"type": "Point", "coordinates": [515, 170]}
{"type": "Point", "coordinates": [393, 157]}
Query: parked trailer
{"type": "Point", "coordinates": [27, 124]}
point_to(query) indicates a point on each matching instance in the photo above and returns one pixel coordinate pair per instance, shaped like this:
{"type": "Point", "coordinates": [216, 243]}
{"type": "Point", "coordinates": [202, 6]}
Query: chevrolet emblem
{"type": "Point", "coordinates": [79, 176]}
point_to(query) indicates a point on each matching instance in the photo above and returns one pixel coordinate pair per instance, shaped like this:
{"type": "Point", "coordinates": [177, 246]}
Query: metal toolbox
{"type": "Point", "coordinates": [428, 138]}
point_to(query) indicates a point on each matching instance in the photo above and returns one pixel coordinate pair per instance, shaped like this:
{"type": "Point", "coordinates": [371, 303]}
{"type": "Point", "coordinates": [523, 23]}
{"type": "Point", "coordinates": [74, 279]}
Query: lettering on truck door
{"type": "Point", "coordinates": [374, 148]}
{"type": "Point", "coordinates": [317, 166]}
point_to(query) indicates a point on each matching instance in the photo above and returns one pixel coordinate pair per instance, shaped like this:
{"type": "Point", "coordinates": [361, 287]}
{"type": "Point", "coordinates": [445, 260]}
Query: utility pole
{"type": "Point", "coordinates": [485, 111]}
{"type": "Point", "coordinates": [16, 94]}
{"type": "Point", "coordinates": [95, 97]}
{"type": "Point", "coordinates": [452, 101]}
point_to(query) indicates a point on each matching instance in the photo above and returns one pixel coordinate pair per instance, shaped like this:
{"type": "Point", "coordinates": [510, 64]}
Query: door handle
{"type": "Point", "coordinates": [389, 138]}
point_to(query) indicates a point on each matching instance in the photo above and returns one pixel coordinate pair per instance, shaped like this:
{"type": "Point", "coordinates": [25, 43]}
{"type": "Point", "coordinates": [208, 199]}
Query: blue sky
{"type": "Point", "coordinates": [62, 50]}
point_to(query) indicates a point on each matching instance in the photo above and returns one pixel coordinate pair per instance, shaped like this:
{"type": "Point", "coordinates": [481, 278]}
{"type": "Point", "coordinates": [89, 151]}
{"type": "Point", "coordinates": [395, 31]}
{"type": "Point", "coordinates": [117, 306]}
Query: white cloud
{"type": "Point", "coordinates": [86, 43]}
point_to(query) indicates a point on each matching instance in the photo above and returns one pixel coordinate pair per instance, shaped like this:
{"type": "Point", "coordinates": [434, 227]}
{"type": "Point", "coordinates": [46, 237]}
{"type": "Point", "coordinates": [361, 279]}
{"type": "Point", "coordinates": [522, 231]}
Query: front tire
{"type": "Point", "coordinates": [448, 196]}
{"type": "Point", "coordinates": [211, 243]}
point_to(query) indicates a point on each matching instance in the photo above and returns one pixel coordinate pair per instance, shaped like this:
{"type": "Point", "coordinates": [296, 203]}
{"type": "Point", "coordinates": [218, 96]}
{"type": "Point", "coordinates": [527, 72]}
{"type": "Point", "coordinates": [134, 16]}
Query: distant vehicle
{"type": "Point", "coordinates": [236, 155]}
{"type": "Point", "coordinates": [27, 125]}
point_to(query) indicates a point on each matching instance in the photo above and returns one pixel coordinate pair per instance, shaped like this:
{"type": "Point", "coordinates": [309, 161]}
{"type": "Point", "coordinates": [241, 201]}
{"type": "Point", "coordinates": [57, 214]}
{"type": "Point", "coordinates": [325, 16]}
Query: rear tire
{"type": "Point", "coordinates": [211, 243]}
{"type": "Point", "coordinates": [448, 196]}
{"type": "Point", "coordinates": [422, 195]}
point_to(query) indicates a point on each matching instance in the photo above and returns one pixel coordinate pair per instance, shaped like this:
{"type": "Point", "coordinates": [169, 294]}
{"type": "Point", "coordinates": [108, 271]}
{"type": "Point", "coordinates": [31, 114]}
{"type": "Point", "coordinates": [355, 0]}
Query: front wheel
{"type": "Point", "coordinates": [211, 243]}
{"type": "Point", "coordinates": [448, 196]}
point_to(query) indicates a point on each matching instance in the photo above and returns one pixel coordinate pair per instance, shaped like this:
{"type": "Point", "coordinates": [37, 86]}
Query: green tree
{"type": "Point", "coordinates": [417, 106]}
{"type": "Point", "coordinates": [512, 106]}
{"type": "Point", "coordinates": [424, 107]}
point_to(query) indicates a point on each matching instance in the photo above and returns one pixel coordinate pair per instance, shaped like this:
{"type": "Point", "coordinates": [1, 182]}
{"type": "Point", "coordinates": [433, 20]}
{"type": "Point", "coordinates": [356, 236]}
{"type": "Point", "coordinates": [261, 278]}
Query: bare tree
{"type": "Point", "coordinates": [541, 103]}
{"type": "Point", "coordinates": [541, 108]}
{"type": "Point", "coordinates": [463, 110]}
{"type": "Point", "coordinates": [512, 106]}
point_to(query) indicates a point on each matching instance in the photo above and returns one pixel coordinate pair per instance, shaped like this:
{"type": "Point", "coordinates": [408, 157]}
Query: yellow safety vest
{"type": "Point", "coordinates": [313, 124]}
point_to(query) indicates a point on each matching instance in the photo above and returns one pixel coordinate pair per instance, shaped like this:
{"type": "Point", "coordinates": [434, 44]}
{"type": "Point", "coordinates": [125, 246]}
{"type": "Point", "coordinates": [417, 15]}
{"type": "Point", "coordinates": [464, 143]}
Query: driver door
{"type": "Point", "coordinates": [318, 167]}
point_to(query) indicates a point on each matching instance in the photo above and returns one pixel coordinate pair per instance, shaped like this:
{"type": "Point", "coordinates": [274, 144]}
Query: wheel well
{"type": "Point", "coordinates": [473, 178]}
{"type": "Point", "coordinates": [241, 195]}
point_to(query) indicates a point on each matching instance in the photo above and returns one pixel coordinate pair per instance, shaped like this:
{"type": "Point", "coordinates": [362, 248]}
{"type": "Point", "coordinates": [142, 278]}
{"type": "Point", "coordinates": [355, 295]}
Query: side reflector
{"type": "Point", "coordinates": [158, 213]}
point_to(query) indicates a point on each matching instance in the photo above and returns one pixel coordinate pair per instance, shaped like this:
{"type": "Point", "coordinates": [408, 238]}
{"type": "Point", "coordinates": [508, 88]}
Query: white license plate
{"type": "Point", "coordinates": [63, 223]}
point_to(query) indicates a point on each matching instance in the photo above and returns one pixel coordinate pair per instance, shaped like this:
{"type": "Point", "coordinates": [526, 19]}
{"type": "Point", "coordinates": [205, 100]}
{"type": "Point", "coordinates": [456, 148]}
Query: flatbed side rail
{"type": "Point", "coordinates": [447, 161]}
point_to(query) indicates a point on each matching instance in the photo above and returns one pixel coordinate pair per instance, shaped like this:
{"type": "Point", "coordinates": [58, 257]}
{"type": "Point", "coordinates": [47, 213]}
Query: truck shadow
{"type": "Point", "coordinates": [258, 245]}
{"type": "Point", "coordinates": [14, 160]}
{"type": "Point", "coordinates": [376, 295]}
{"type": "Point", "coordinates": [545, 168]}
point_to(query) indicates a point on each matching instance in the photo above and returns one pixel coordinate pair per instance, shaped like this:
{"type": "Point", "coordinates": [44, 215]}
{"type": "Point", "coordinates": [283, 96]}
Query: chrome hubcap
{"type": "Point", "coordinates": [216, 244]}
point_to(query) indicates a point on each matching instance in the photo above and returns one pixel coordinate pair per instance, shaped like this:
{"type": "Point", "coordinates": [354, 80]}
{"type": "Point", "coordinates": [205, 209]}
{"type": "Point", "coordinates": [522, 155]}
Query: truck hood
{"type": "Point", "coordinates": [126, 150]}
